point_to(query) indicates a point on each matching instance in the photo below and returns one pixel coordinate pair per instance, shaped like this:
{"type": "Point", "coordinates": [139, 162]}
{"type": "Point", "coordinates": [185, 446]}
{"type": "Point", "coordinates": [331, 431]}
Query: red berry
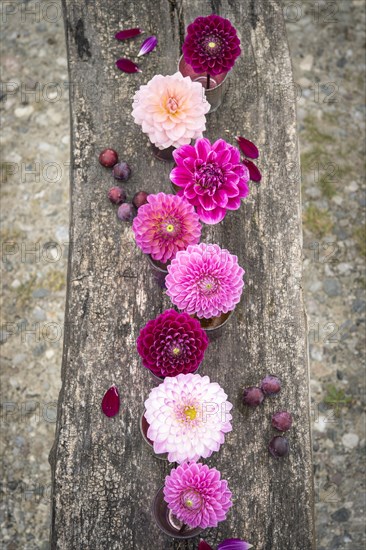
{"type": "Point", "coordinates": [139, 199]}
{"type": "Point", "coordinates": [271, 385]}
{"type": "Point", "coordinates": [108, 158]}
{"type": "Point", "coordinates": [126, 212]}
{"type": "Point", "coordinates": [117, 195]}
{"type": "Point", "coordinates": [121, 171]}
{"type": "Point", "coordinates": [279, 447]}
{"type": "Point", "coordinates": [282, 421]}
{"type": "Point", "coordinates": [253, 396]}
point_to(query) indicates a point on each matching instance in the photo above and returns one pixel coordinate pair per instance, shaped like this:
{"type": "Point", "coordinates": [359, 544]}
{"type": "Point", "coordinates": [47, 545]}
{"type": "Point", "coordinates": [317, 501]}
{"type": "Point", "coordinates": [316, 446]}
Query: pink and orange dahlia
{"type": "Point", "coordinates": [171, 110]}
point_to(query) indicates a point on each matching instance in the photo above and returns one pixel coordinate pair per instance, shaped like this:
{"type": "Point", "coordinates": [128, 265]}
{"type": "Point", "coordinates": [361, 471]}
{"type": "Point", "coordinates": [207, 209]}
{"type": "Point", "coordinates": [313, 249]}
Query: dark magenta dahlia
{"type": "Point", "coordinates": [211, 45]}
{"type": "Point", "coordinates": [172, 344]}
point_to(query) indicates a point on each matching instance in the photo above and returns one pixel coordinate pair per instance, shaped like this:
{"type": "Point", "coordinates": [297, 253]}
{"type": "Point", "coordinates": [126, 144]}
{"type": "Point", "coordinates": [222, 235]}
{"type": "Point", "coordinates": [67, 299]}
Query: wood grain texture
{"type": "Point", "coordinates": [104, 477]}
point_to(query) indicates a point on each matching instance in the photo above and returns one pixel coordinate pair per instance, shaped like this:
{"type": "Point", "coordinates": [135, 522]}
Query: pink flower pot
{"type": "Point", "coordinates": [218, 84]}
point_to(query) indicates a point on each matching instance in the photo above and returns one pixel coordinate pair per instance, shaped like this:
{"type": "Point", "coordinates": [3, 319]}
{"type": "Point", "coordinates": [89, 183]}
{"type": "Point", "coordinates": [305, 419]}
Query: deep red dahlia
{"type": "Point", "coordinates": [172, 344]}
{"type": "Point", "coordinates": [211, 45]}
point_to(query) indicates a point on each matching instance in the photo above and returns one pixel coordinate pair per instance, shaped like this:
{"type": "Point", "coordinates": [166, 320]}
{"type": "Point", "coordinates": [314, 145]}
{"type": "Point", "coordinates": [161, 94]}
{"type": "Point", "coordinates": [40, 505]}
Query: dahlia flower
{"type": "Point", "coordinates": [188, 416]}
{"type": "Point", "coordinates": [171, 110]}
{"type": "Point", "coordinates": [197, 495]}
{"type": "Point", "coordinates": [171, 344]}
{"type": "Point", "coordinates": [211, 45]}
{"type": "Point", "coordinates": [165, 225]}
{"type": "Point", "coordinates": [205, 280]}
{"type": "Point", "coordinates": [211, 177]}
{"type": "Point", "coordinates": [227, 544]}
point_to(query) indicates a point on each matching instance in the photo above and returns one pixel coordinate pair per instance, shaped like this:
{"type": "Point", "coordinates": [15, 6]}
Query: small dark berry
{"type": "Point", "coordinates": [282, 421]}
{"type": "Point", "coordinates": [270, 385]}
{"type": "Point", "coordinates": [108, 158]}
{"type": "Point", "coordinates": [140, 198]}
{"type": "Point", "coordinates": [253, 396]}
{"type": "Point", "coordinates": [117, 195]}
{"type": "Point", "coordinates": [126, 212]}
{"type": "Point", "coordinates": [279, 446]}
{"type": "Point", "coordinates": [121, 171]}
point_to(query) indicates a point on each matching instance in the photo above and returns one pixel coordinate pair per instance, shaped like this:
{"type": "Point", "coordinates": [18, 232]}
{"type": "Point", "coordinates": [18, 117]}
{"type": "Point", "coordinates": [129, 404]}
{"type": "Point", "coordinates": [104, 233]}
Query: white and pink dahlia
{"type": "Point", "coordinates": [205, 280]}
{"type": "Point", "coordinates": [171, 110]}
{"type": "Point", "coordinates": [188, 417]}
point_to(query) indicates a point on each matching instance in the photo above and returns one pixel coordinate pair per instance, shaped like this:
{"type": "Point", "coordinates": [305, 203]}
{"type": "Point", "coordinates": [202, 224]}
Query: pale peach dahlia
{"type": "Point", "coordinates": [171, 110]}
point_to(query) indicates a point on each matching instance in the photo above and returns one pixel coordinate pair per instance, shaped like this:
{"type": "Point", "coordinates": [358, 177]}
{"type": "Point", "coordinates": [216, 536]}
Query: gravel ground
{"type": "Point", "coordinates": [327, 43]}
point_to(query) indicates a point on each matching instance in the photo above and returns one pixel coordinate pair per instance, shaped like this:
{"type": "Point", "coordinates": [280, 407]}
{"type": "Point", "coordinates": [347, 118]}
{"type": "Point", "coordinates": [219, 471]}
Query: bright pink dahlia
{"type": "Point", "coordinates": [197, 495]}
{"type": "Point", "coordinates": [171, 110]}
{"type": "Point", "coordinates": [188, 417]}
{"type": "Point", "coordinates": [165, 225]}
{"type": "Point", "coordinates": [205, 280]}
{"type": "Point", "coordinates": [211, 178]}
{"type": "Point", "coordinates": [171, 344]}
{"type": "Point", "coordinates": [211, 45]}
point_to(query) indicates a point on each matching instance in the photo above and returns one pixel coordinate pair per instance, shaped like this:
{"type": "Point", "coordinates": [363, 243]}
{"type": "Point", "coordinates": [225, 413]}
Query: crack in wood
{"type": "Point", "coordinates": [215, 6]}
{"type": "Point", "coordinates": [176, 8]}
{"type": "Point", "coordinates": [252, 14]}
{"type": "Point", "coordinates": [81, 41]}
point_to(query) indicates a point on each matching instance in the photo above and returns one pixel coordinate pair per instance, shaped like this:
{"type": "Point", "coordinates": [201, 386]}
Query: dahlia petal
{"type": "Point", "coordinates": [211, 216]}
{"type": "Point", "coordinates": [234, 544]}
{"type": "Point", "coordinates": [127, 66]}
{"type": "Point", "coordinates": [204, 546]}
{"type": "Point", "coordinates": [128, 33]}
{"type": "Point", "coordinates": [248, 148]}
{"type": "Point", "coordinates": [206, 202]}
{"type": "Point", "coordinates": [220, 198]}
{"type": "Point", "coordinates": [148, 46]}
{"type": "Point", "coordinates": [254, 171]}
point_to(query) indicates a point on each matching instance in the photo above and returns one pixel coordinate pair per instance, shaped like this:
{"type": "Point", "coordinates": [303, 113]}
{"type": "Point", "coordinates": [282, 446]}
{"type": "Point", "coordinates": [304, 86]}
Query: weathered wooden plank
{"type": "Point", "coordinates": [104, 477]}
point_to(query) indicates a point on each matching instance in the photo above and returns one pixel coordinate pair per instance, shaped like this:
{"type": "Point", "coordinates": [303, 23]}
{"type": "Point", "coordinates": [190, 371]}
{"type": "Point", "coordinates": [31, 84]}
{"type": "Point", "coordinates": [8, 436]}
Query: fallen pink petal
{"type": "Point", "coordinates": [254, 171]}
{"type": "Point", "coordinates": [128, 33]}
{"type": "Point", "coordinates": [148, 46]}
{"type": "Point", "coordinates": [111, 402]}
{"type": "Point", "coordinates": [234, 544]}
{"type": "Point", "coordinates": [127, 66]}
{"type": "Point", "coordinates": [204, 546]}
{"type": "Point", "coordinates": [248, 148]}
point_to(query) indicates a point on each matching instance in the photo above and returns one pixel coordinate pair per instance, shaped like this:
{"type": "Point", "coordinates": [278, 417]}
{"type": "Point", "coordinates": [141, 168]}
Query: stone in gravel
{"type": "Point", "coordinates": [350, 440]}
{"type": "Point", "coordinates": [341, 515]}
{"type": "Point", "coordinates": [307, 63]}
{"type": "Point", "coordinates": [332, 287]}
{"type": "Point", "coordinates": [22, 112]}
{"type": "Point", "coordinates": [359, 306]}
{"type": "Point", "coordinates": [40, 293]}
{"type": "Point", "coordinates": [39, 314]}
{"type": "Point", "coordinates": [39, 349]}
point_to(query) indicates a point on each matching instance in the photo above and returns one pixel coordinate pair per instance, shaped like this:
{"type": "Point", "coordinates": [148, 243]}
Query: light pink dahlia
{"type": "Point", "coordinates": [211, 177]}
{"type": "Point", "coordinates": [165, 225]}
{"type": "Point", "coordinates": [171, 110]}
{"type": "Point", "coordinates": [205, 280]}
{"type": "Point", "coordinates": [197, 495]}
{"type": "Point", "coordinates": [188, 416]}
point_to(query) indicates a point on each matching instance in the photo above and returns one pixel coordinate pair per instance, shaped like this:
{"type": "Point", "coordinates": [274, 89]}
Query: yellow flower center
{"type": "Point", "coordinates": [176, 351]}
{"type": "Point", "coordinates": [189, 503]}
{"type": "Point", "coordinates": [211, 45]}
{"type": "Point", "coordinates": [209, 286]}
{"type": "Point", "coordinates": [170, 228]}
{"type": "Point", "coordinates": [190, 413]}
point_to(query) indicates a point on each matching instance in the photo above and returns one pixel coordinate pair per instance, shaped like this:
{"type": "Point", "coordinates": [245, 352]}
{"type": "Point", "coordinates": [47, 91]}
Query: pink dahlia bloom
{"type": "Point", "coordinates": [171, 344]}
{"type": "Point", "coordinates": [205, 280]}
{"type": "Point", "coordinates": [165, 225]}
{"type": "Point", "coordinates": [171, 110]}
{"type": "Point", "coordinates": [211, 45]}
{"type": "Point", "coordinates": [197, 495]}
{"type": "Point", "coordinates": [211, 178]}
{"type": "Point", "coordinates": [188, 417]}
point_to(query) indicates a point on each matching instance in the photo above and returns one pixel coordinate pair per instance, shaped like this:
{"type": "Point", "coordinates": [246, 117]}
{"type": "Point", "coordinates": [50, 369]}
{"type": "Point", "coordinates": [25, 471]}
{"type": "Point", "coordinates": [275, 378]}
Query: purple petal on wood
{"type": "Point", "coordinates": [128, 33]}
{"type": "Point", "coordinates": [234, 544]}
{"type": "Point", "coordinates": [110, 402]}
{"type": "Point", "coordinates": [204, 546]}
{"type": "Point", "coordinates": [148, 46]}
{"type": "Point", "coordinates": [249, 149]}
{"type": "Point", "coordinates": [127, 66]}
{"type": "Point", "coordinates": [254, 171]}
